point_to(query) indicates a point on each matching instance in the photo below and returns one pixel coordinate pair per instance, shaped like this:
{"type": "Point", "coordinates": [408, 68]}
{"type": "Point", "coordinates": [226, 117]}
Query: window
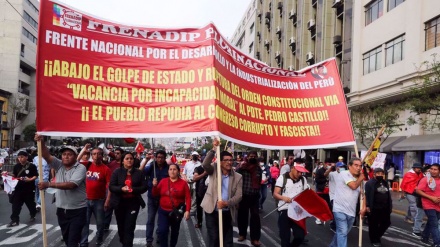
{"type": "Point", "coordinates": [432, 33]}
{"type": "Point", "coordinates": [251, 47]}
{"type": "Point", "coordinates": [394, 50]}
{"type": "Point", "coordinates": [30, 20]}
{"type": "Point", "coordinates": [393, 3]}
{"type": "Point", "coordinates": [32, 6]}
{"type": "Point", "coordinates": [251, 29]}
{"type": "Point", "coordinates": [22, 50]}
{"type": "Point", "coordinates": [30, 36]}
{"type": "Point", "coordinates": [373, 11]}
{"type": "Point", "coordinates": [371, 60]}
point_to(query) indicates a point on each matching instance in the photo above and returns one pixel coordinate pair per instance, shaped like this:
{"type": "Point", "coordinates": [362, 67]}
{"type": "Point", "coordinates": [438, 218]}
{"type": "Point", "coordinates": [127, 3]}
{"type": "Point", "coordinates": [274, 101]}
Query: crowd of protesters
{"type": "Point", "coordinates": [85, 184]}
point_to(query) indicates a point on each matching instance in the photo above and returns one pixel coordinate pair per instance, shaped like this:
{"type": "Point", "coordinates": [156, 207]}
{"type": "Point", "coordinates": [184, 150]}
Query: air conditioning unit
{"type": "Point", "coordinates": [258, 34]}
{"type": "Point", "coordinates": [267, 21]}
{"type": "Point", "coordinates": [257, 55]}
{"type": "Point", "coordinates": [337, 3]}
{"type": "Point", "coordinates": [280, 5]}
{"type": "Point", "coordinates": [259, 13]}
{"type": "Point", "coordinates": [267, 43]}
{"type": "Point", "coordinates": [292, 41]}
{"type": "Point", "coordinates": [267, 15]}
{"type": "Point", "coordinates": [337, 39]}
{"type": "Point", "coordinates": [278, 30]}
{"type": "Point", "coordinates": [292, 14]}
{"type": "Point", "coordinates": [311, 24]}
{"type": "Point", "coordinates": [290, 68]}
{"type": "Point", "coordinates": [277, 55]}
{"type": "Point", "coordinates": [309, 56]}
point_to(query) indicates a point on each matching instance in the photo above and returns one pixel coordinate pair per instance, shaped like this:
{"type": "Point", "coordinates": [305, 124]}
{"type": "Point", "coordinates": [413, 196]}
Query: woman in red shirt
{"type": "Point", "coordinates": [274, 174]}
{"type": "Point", "coordinates": [172, 192]}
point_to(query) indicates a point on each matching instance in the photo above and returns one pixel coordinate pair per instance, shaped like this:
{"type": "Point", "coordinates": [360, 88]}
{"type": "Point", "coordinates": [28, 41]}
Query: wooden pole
{"type": "Point", "coordinates": [42, 196]}
{"type": "Point", "coordinates": [361, 196]}
{"type": "Point", "coordinates": [219, 195]}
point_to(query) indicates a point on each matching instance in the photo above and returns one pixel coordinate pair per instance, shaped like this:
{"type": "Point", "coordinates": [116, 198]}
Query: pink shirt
{"type": "Point", "coordinates": [423, 186]}
{"type": "Point", "coordinates": [274, 172]}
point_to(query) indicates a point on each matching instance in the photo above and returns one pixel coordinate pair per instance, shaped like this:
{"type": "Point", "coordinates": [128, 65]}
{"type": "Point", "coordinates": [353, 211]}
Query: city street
{"type": "Point", "coordinates": [29, 235]}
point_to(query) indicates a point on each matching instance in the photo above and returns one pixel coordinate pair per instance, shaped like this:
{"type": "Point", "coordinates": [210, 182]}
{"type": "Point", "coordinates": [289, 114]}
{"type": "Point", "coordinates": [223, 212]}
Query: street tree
{"type": "Point", "coordinates": [19, 108]}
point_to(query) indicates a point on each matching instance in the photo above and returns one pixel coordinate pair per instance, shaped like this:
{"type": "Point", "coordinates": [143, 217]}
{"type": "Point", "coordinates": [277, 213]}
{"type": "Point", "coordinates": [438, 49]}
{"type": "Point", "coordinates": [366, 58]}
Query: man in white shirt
{"type": "Point", "coordinates": [286, 167]}
{"type": "Point", "coordinates": [345, 200]}
{"type": "Point", "coordinates": [188, 173]}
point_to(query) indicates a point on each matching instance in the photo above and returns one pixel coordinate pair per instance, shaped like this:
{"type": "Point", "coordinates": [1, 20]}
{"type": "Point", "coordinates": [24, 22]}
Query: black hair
{"type": "Point", "coordinates": [120, 150]}
{"type": "Point", "coordinates": [160, 152]}
{"type": "Point", "coordinates": [123, 157]}
{"type": "Point", "coordinates": [223, 154]}
{"type": "Point", "coordinates": [352, 160]}
{"type": "Point", "coordinates": [99, 149]}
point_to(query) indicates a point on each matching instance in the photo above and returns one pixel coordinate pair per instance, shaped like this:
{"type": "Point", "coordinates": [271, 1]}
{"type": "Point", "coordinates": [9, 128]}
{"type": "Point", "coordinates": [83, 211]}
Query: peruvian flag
{"type": "Point", "coordinates": [173, 159]}
{"type": "Point", "coordinates": [308, 204]}
{"type": "Point", "coordinates": [139, 147]}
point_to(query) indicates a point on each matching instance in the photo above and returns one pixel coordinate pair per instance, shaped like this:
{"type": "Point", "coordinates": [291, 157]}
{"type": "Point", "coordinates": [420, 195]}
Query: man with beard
{"type": "Point", "coordinates": [251, 175]}
{"type": "Point", "coordinates": [188, 174]}
{"type": "Point", "coordinates": [157, 169]}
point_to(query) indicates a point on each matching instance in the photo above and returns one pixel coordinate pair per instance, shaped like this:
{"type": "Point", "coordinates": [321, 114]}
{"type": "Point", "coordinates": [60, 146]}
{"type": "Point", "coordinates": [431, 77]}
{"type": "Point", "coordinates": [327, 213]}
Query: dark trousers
{"type": "Point", "coordinates": [285, 226]}
{"type": "Point", "coordinates": [212, 228]}
{"type": "Point", "coordinates": [378, 222]}
{"type": "Point", "coordinates": [20, 198]}
{"type": "Point", "coordinates": [263, 195]}
{"type": "Point", "coordinates": [163, 228]}
{"type": "Point", "coordinates": [71, 222]}
{"type": "Point", "coordinates": [199, 211]}
{"type": "Point", "coordinates": [249, 203]}
{"type": "Point", "coordinates": [108, 217]}
{"type": "Point", "coordinates": [153, 205]}
{"type": "Point", "coordinates": [126, 214]}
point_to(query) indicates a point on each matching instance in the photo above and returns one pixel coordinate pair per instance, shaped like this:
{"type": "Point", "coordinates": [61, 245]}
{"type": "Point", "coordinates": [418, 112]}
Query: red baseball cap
{"type": "Point", "coordinates": [300, 167]}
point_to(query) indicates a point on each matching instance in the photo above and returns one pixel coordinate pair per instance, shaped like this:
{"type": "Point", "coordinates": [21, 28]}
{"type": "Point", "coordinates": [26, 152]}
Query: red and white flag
{"type": "Point", "coordinates": [308, 204]}
{"type": "Point", "coordinates": [139, 147]}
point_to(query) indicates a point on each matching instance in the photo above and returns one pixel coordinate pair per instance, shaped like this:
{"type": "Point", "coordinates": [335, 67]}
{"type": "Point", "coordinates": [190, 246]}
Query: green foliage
{"type": "Point", "coordinates": [424, 97]}
{"type": "Point", "coordinates": [29, 132]}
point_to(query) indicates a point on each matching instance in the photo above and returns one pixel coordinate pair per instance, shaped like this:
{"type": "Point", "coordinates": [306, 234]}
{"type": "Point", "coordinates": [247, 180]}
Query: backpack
{"type": "Point", "coordinates": [283, 189]}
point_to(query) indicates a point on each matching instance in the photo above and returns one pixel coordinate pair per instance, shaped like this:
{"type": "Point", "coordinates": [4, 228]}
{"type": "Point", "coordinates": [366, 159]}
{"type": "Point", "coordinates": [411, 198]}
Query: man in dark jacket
{"type": "Point", "coordinates": [379, 206]}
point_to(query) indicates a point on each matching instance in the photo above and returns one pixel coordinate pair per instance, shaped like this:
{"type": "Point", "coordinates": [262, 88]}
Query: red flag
{"type": "Point", "coordinates": [173, 159]}
{"type": "Point", "coordinates": [308, 204]}
{"type": "Point", "coordinates": [139, 147]}
{"type": "Point", "coordinates": [129, 140]}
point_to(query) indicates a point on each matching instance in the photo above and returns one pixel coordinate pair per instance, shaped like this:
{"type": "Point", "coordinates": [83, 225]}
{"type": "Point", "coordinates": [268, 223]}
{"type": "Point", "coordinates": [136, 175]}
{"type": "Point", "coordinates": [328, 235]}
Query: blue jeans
{"type": "Point", "coordinates": [153, 206]}
{"type": "Point", "coordinates": [95, 207]}
{"type": "Point", "coordinates": [431, 227]}
{"type": "Point", "coordinates": [344, 223]}
{"type": "Point", "coordinates": [37, 191]}
{"type": "Point", "coordinates": [163, 227]}
{"type": "Point", "coordinates": [263, 194]}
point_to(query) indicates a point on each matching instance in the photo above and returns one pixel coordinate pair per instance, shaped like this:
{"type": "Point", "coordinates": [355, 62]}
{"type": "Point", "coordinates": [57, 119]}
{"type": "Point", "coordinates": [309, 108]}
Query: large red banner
{"type": "Point", "coordinates": [103, 79]}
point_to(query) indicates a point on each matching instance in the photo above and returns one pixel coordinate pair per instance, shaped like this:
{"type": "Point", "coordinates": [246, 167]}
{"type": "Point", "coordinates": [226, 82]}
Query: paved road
{"type": "Point", "coordinates": [30, 235]}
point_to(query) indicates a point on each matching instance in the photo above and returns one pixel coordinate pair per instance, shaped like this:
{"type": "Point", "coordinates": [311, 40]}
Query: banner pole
{"type": "Point", "coordinates": [219, 195]}
{"type": "Point", "coordinates": [361, 196]}
{"type": "Point", "coordinates": [42, 196]}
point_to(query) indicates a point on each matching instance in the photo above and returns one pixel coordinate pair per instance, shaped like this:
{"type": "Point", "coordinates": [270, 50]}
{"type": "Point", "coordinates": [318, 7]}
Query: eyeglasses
{"type": "Point", "coordinates": [228, 160]}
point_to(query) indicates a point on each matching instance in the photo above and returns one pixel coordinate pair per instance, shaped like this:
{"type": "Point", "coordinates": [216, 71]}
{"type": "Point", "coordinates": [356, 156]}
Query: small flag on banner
{"type": "Point", "coordinates": [308, 204]}
{"type": "Point", "coordinates": [139, 147]}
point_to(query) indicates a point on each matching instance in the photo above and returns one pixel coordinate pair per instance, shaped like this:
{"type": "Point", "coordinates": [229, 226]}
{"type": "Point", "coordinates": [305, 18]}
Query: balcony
{"type": "Point", "coordinates": [24, 91]}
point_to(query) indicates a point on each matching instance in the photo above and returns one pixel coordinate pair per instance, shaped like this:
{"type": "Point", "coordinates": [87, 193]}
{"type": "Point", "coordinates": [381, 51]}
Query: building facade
{"type": "Point", "coordinates": [18, 46]}
{"type": "Point", "coordinates": [391, 39]}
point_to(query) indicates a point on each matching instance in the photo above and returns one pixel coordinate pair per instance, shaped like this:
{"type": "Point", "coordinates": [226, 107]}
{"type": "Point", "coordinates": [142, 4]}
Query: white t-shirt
{"type": "Point", "coordinates": [345, 198]}
{"type": "Point", "coordinates": [290, 190]}
{"type": "Point", "coordinates": [189, 168]}
{"type": "Point", "coordinates": [391, 173]}
{"type": "Point", "coordinates": [332, 176]}
{"type": "Point", "coordinates": [284, 169]}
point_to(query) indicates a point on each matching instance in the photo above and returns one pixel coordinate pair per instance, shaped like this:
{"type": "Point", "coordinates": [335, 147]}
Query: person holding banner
{"type": "Point", "coordinates": [252, 174]}
{"type": "Point", "coordinates": [287, 187]}
{"type": "Point", "coordinates": [127, 184]}
{"type": "Point", "coordinates": [379, 206]}
{"type": "Point", "coordinates": [70, 192]}
{"type": "Point", "coordinates": [157, 169]}
{"type": "Point", "coordinates": [231, 193]}
{"type": "Point", "coordinates": [345, 201]}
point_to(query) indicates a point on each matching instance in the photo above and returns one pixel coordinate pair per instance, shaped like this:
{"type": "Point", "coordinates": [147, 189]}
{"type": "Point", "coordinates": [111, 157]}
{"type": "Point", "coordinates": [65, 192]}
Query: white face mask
{"type": "Point", "coordinates": [341, 169]}
{"type": "Point", "coordinates": [261, 164]}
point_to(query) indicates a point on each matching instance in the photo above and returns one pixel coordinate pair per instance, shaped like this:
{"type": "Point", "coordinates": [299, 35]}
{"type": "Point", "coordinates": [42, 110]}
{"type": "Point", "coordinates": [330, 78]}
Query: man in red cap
{"type": "Point", "coordinates": [288, 186]}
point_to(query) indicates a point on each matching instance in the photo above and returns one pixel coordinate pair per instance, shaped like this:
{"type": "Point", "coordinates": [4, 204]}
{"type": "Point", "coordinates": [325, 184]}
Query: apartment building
{"type": "Point", "coordinates": [391, 39]}
{"type": "Point", "coordinates": [18, 45]}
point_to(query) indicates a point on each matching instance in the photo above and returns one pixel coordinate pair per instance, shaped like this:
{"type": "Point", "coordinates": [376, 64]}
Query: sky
{"type": "Point", "coordinates": [225, 14]}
